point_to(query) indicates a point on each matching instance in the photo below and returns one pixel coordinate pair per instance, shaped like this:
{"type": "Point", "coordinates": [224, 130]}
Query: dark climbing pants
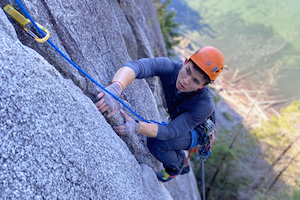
{"type": "Point", "coordinates": [170, 152]}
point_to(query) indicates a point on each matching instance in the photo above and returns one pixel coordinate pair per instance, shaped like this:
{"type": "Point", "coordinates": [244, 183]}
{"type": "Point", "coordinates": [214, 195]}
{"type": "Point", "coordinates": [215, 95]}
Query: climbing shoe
{"type": "Point", "coordinates": [164, 176]}
{"type": "Point", "coordinates": [185, 169]}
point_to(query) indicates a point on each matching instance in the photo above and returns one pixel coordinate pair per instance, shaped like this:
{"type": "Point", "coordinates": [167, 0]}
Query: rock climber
{"type": "Point", "coordinates": [189, 102]}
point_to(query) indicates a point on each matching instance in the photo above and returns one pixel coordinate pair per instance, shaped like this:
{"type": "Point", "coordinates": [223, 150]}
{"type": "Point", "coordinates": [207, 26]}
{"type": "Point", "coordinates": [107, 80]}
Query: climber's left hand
{"type": "Point", "coordinates": [130, 125]}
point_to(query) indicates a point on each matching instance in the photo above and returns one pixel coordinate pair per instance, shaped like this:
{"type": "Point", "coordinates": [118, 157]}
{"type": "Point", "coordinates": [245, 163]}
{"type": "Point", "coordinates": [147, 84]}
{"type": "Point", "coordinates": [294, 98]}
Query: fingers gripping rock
{"type": "Point", "coordinates": [116, 90]}
{"type": "Point", "coordinates": [129, 127]}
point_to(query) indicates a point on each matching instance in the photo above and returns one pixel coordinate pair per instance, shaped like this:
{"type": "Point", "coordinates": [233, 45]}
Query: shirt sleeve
{"type": "Point", "coordinates": [147, 67]}
{"type": "Point", "coordinates": [186, 121]}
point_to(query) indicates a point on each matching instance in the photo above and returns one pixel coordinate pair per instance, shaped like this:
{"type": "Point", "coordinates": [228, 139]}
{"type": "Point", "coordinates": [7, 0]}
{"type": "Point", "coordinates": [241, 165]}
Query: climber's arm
{"type": "Point", "coordinates": [149, 130]}
{"type": "Point", "coordinates": [142, 68]}
{"type": "Point", "coordinates": [124, 76]}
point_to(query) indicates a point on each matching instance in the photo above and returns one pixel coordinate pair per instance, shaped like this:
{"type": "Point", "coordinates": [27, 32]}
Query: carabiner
{"type": "Point", "coordinates": [40, 40]}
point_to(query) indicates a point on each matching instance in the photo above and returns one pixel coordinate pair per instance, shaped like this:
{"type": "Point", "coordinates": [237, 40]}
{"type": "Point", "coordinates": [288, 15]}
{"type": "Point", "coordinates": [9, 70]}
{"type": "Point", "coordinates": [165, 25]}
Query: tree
{"type": "Point", "coordinates": [280, 136]}
{"type": "Point", "coordinates": [280, 173]}
{"type": "Point", "coordinates": [167, 24]}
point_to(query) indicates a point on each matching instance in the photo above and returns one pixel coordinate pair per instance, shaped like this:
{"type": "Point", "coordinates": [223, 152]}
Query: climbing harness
{"type": "Point", "coordinates": [44, 32]}
{"type": "Point", "coordinates": [207, 145]}
{"type": "Point", "coordinates": [202, 150]}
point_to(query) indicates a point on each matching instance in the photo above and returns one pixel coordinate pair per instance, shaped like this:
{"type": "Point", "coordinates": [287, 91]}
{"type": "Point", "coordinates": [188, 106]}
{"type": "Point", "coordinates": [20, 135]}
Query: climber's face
{"type": "Point", "coordinates": [189, 79]}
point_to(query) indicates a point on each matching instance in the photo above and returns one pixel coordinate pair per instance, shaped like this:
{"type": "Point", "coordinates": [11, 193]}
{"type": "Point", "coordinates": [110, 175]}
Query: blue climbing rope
{"type": "Point", "coordinates": [78, 68]}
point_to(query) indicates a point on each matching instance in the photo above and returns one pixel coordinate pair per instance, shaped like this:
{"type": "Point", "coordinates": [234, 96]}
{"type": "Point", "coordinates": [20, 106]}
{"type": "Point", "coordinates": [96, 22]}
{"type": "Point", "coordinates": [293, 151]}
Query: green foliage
{"type": "Point", "coordinates": [296, 194]}
{"type": "Point", "coordinates": [280, 130]}
{"type": "Point", "coordinates": [216, 98]}
{"type": "Point", "coordinates": [150, 21]}
{"type": "Point", "coordinates": [282, 194]}
{"type": "Point", "coordinates": [260, 195]}
{"type": "Point", "coordinates": [277, 134]}
{"type": "Point", "coordinates": [167, 24]}
{"type": "Point", "coordinates": [221, 149]}
{"type": "Point", "coordinates": [155, 52]}
{"type": "Point", "coordinates": [228, 116]}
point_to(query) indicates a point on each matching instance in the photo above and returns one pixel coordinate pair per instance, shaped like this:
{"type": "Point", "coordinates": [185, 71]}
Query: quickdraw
{"type": "Point", "coordinates": [206, 148]}
{"type": "Point", "coordinates": [26, 23]}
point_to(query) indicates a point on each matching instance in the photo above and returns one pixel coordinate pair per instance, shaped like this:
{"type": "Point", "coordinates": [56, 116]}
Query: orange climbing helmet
{"type": "Point", "coordinates": [210, 60]}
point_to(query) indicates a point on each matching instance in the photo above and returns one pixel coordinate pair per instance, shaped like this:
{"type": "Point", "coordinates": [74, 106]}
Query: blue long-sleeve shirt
{"type": "Point", "coordinates": [186, 114]}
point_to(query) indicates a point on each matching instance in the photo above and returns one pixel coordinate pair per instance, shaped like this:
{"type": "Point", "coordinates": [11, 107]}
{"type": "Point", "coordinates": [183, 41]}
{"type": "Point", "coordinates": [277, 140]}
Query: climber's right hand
{"type": "Point", "coordinates": [107, 102]}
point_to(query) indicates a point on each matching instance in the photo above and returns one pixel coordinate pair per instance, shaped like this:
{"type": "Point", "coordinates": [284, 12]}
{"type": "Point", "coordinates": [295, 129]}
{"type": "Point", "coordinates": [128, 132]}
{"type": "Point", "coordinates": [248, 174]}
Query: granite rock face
{"type": "Point", "coordinates": [54, 142]}
{"type": "Point", "coordinates": [143, 20]}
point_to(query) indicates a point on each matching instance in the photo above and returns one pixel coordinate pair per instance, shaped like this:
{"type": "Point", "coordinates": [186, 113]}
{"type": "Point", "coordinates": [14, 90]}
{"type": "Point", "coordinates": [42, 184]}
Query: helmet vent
{"type": "Point", "coordinates": [216, 69]}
